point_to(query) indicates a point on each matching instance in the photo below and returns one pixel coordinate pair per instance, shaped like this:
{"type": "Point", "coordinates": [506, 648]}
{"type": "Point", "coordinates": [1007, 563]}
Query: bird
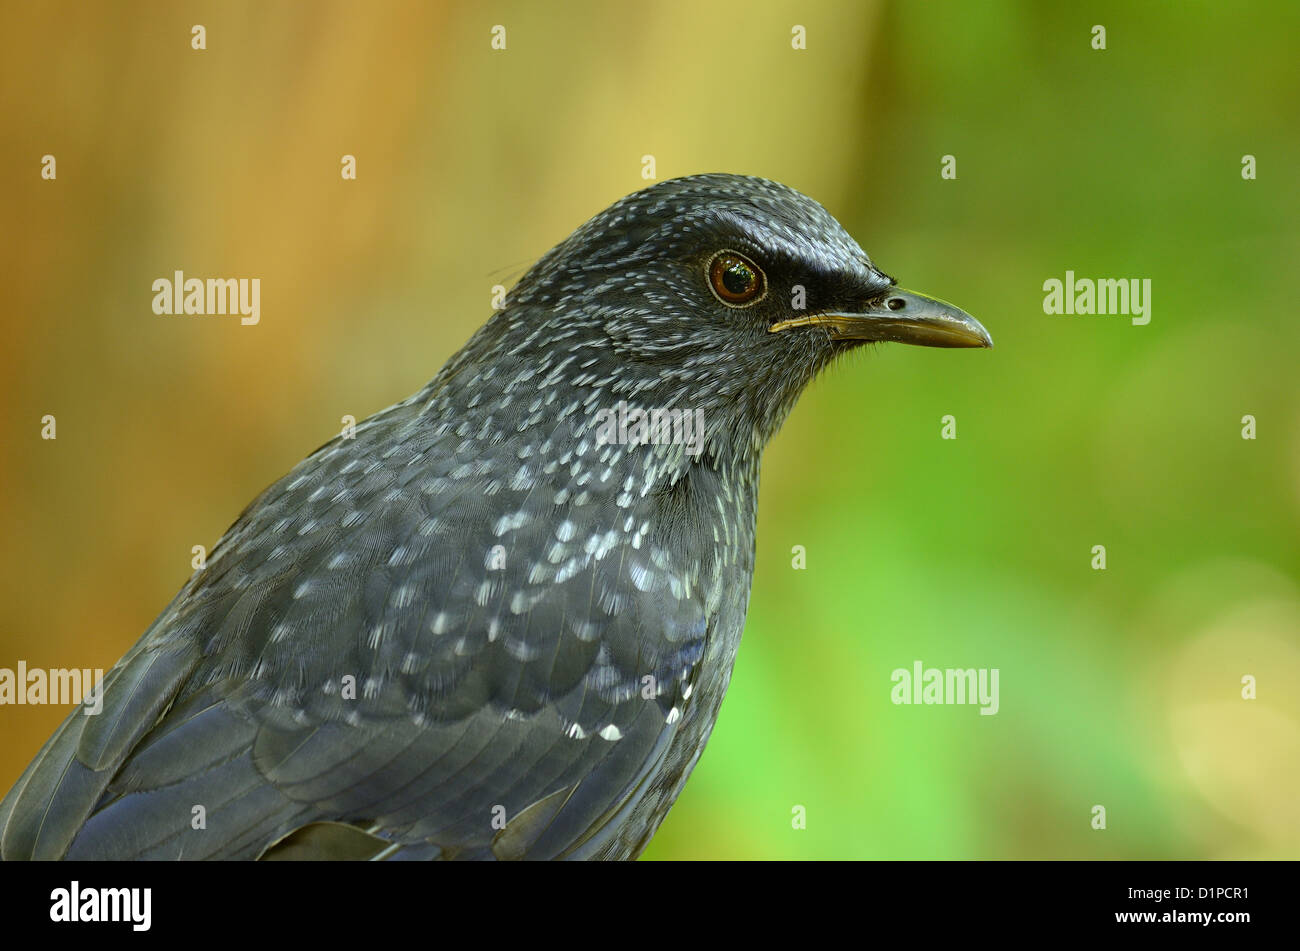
{"type": "Point", "coordinates": [498, 619]}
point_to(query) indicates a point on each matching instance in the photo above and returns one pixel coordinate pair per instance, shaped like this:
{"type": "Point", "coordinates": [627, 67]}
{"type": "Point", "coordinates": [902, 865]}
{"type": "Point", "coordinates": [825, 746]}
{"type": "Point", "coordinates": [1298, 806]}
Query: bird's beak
{"type": "Point", "coordinates": [902, 317]}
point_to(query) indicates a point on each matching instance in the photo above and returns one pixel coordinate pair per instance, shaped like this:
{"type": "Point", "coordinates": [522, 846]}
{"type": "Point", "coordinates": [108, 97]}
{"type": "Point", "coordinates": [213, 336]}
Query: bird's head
{"type": "Point", "coordinates": [718, 292]}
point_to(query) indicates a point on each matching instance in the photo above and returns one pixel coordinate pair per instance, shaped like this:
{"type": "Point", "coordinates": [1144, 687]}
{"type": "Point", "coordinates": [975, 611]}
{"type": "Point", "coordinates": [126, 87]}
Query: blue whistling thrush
{"type": "Point", "coordinates": [500, 619]}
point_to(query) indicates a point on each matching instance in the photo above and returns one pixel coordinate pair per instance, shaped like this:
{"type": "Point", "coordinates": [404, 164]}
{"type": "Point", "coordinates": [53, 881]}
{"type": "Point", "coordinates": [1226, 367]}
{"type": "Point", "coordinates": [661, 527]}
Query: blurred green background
{"type": "Point", "coordinates": [1118, 687]}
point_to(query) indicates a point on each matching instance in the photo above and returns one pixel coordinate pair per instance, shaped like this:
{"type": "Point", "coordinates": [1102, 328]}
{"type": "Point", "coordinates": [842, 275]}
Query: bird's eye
{"type": "Point", "coordinates": [735, 279]}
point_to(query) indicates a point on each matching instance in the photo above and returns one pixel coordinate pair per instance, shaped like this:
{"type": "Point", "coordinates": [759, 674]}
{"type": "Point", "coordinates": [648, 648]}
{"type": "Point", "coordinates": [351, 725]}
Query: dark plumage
{"type": "Point", "coordinates": [541, 624]}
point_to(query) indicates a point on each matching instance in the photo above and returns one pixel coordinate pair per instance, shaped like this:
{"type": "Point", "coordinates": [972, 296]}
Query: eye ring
{"type": "Point", "coordinates": [735, 279]}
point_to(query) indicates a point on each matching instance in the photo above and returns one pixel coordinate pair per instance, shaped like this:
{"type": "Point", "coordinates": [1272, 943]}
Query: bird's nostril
{"type": "Point", "coordinates": [895, 303]}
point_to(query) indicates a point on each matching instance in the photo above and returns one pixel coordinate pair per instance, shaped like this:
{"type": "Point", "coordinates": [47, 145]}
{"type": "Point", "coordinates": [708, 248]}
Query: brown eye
{"type": "Point", "coordinates": [735, 279]}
